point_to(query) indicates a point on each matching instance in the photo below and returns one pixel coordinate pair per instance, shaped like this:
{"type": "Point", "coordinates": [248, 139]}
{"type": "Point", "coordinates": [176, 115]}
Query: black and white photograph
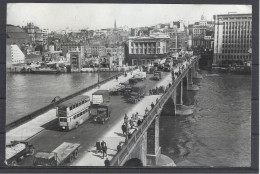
{"type": "Point", "coordinates": [128, 85]}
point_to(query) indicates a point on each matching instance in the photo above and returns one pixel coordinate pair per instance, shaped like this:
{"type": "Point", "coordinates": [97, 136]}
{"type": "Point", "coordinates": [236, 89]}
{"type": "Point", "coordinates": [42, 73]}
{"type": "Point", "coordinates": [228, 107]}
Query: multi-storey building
{"type": "Point", "coordinates": [199, 30]}
{"type": "Point", "coordinates": [45, 34]}
{"type": "Point", "coordinates": [233, 38]}
{"type": "Point", "coordinates": [73, 46]}
{"type": "Point", "coordinates": [35, 33]}
{"type": "Point", "coordinates": [117, 53]}
{"type": "Point", "coordinates": [144, 50]}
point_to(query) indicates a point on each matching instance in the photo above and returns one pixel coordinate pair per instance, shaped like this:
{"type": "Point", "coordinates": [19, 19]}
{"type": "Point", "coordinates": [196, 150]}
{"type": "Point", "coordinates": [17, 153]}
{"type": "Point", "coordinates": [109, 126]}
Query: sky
{"type": "Point", "coordinates": [58, 16]}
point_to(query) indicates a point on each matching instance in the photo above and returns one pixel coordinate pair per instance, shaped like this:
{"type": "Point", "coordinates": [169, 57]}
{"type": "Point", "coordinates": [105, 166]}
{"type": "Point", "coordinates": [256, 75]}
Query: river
{"type": "Point", "coordinates": [217, 134]}
{"type": "Point", "coordinates": [26, 93]}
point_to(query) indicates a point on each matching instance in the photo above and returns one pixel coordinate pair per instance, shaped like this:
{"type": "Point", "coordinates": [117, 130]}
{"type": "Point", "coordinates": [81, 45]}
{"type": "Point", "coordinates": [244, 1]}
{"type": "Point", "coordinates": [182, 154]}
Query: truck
{"type": "Point", "coordinates": [17, 150]}
{"type": "Point", "coordinates": [100, 113]}
{"type": "Point", "coordinates": [157, 75]}
{"type": "Point", "coordinates": [133, 81]}
{"type": "Point", "coordinates": [140, 76]}
{"type": "Point", "coordinates": [168, 65]}
{"type": "Point", "coordinates": [100, 96]}
{"type": "Point", "coordinates": [138, 92]}
{"type": "Point", "coordinates": [117, 90]}
{"type": "Point", "coordinates": [64, 153]}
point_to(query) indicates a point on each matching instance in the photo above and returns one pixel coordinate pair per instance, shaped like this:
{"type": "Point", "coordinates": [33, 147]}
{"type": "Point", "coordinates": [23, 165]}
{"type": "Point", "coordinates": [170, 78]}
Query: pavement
{"type": "Point", "coordinates": [44, 134]}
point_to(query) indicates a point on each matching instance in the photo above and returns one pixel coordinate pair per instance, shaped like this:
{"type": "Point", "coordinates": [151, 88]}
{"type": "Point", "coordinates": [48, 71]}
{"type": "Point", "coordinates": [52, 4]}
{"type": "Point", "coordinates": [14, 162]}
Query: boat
{"type": "Point", "coordinates": [44, 71]}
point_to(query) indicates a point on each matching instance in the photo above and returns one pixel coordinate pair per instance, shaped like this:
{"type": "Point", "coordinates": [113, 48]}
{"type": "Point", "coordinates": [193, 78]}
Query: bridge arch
{"type": "Point", "coordinates": [133, 162]}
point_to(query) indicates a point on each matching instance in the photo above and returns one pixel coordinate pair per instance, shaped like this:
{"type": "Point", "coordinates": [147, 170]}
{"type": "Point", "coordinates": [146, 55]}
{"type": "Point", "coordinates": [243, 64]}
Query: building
{"type": "Point", "coordinates": [45, 35]}
{"type": "Point", "coordinates": [117, 53]}
{"type": "Point", "coordinates": [33, 58]}
{"type": "Point", "coordinates": [144, 50]}
{"type": "Point", "coordinates": [35, 33]}
{"type": "Point", "coordinates": [75, 60]}
{"type": "Point", "coordinates": [73, 46]}
{"type": "Point", "coordinates": [98, 49]}
{"type": "Point", "coordinates": [17, 44]}
{"type": "Point", "coordinates": [199, 30]}
{"type": "Point", "coordinates": [17, 56]}
{"type": "Point", "coordinates": [232, 39]}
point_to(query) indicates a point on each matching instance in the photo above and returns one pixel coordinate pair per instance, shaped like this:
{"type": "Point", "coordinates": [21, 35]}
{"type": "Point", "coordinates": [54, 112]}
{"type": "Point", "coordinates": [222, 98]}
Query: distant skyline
{"type": "Point", "coordinates": [74, 16]}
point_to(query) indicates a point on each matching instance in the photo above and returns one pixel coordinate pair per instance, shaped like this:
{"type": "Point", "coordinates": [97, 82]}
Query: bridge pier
{"type": "Point", "coordinates": [179, 94]}
{"type": "Point", "coordinates": [190, 76]}
{"type": "Point", "coordinates": [153, 148]}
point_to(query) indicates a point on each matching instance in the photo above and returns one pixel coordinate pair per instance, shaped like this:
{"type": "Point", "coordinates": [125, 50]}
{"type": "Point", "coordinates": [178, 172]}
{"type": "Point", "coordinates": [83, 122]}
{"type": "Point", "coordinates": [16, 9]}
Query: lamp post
{"type": "Point", "coordinates": [126, 124]}
{"type": "Point", "coordinates": [98, 70]}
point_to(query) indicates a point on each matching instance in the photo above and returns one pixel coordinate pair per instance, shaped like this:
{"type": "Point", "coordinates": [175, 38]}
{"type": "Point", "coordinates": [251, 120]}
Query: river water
{"type": "Point", "coordinates": [217, 134]}
{"type": "Point", "coordinates": [26, 93]}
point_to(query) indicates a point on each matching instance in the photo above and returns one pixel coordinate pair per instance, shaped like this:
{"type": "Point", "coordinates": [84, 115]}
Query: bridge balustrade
{"type": "Point", "coordinates": [120, 157]}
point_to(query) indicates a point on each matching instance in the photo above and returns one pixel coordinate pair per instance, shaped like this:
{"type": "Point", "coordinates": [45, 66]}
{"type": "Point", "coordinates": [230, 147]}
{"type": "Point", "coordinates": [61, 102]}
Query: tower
{"type": "Point", "coordinates": [115, 25]}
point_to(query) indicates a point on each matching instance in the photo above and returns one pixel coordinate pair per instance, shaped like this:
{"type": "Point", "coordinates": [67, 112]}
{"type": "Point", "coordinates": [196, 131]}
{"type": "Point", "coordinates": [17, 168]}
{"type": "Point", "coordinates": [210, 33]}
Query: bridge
{"type": "Point", "coordinates": [143, 147]}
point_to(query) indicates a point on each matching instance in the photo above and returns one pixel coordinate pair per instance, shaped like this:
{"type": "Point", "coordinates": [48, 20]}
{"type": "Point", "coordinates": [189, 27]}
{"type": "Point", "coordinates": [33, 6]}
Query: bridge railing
{"type": "Point", "coordinates": [120, 157]}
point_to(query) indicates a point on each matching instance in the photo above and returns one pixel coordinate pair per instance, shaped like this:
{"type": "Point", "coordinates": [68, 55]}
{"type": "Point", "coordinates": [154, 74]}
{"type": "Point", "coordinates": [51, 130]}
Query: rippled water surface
{"type": "Point", "coordinates": [26, 93]}
{"type": "Point", "coordinates": [218, 132]}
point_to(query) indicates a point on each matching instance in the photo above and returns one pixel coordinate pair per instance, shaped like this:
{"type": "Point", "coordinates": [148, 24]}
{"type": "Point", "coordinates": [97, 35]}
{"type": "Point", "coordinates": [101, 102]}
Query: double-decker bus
{"type": "Point", "coordinates": [73, 112]}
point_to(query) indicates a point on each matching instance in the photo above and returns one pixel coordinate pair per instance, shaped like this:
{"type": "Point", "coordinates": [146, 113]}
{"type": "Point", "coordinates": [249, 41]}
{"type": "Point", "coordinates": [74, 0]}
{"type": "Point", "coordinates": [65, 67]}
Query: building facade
{"type": "Point", "coordinates": [144, 50]}
{"type": "Point", "coordinates": [233, 38]}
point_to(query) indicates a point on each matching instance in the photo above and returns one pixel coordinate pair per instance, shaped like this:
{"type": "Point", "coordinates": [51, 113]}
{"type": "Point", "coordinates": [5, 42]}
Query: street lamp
{"type": "Point", "coordinates": [126, 124]}
{"type": "Point", "coordinates": [98, 70]}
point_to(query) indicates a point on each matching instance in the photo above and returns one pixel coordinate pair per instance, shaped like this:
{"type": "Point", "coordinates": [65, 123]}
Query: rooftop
{"type": "Point", "coordinates": [74, 100]}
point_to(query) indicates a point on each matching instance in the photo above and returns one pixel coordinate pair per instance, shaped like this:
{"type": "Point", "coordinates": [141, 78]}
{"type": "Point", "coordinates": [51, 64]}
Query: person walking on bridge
{"type": "Point", "coordinates": [107, 163]}
{"type": "Point", "coordinates": [124, 128]}
{"type": "Point", "coordinates": [104, 148]}
{"type": "Point", "coordinates": [152, 105]}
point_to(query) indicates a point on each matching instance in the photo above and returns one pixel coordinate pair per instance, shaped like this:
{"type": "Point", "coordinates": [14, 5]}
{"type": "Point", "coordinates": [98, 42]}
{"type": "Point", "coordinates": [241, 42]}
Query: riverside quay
{"type": "Point", "coordinates": [115, 121]}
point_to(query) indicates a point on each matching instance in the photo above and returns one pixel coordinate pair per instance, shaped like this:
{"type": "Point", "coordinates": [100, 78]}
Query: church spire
{"type": "Point", "coordinates": [115, 25]}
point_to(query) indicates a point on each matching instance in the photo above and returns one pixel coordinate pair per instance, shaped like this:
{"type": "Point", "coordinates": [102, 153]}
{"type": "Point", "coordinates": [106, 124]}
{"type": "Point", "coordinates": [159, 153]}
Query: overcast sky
{"type": "Point", "coordinates": [96, 16]}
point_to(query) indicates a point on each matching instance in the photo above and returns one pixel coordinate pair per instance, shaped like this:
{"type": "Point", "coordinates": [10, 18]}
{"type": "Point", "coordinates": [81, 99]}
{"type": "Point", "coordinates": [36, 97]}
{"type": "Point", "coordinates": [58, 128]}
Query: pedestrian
{"type": "Point", "coordinates": [152, 105]}
{"type": "Point", "coordinates": [136, 115]}
{"type": "Point", "coordinates": [104, 148]}
{"type": "Point", "coordinates": [124, 128]}
{"type": "Point", "coordinates": [103, 144]}
{"type": "Point", "coordinates": [170, 84]}
{"type": "Point", "coordinates": [146, 110]}
{"type": "Point", "coordinates": [131, 122]}
{"type": "Point", "coordinates": [156, 90]}
{"type": "Point", "coordinates": [98, 147]}
{"type": "Point", "coordinates": [125, 74]}
{"type": "Point", "coordinates": [150, 92]}
{"type": "Point", "coordinates": [157, 100]}
{"type": "Point", "coordinates": [139, 122]}
{"type": "Point", "coordinates": [119, 148]}
{"type": "Point", "coordinates": [133, 117]}
{"type": "Point", "coordinates": [116, 78]}
{"type": "Point", "coordinates": [107, 163]}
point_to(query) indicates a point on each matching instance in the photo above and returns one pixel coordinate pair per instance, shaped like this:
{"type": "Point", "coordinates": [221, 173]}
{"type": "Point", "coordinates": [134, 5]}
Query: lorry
{"type": "Point", "coordinates": [66, 152]}
{"type": "Point", "coordinates": [100, 113]}
{"type": "Point", "coordinates": [117, 90]}
{"type": "Point", "coordinates": [100, 96]}
{"type": "Point", "coordinates": [138, 92]}
{"type": "Point", "coordinates": [157, 75]}
{"type": "Point", "coordinates": [168, 65]}
{"type": "Point", "coordinates": [133, 81]}
{"type": "Point", "coordinates": [17, 150]}
{"type": "Point", "coordinates": [140, 76]}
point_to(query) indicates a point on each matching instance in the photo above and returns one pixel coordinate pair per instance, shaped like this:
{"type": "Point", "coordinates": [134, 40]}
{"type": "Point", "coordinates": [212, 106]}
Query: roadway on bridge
{"type": "Point", "coordinates": [86, 134]}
